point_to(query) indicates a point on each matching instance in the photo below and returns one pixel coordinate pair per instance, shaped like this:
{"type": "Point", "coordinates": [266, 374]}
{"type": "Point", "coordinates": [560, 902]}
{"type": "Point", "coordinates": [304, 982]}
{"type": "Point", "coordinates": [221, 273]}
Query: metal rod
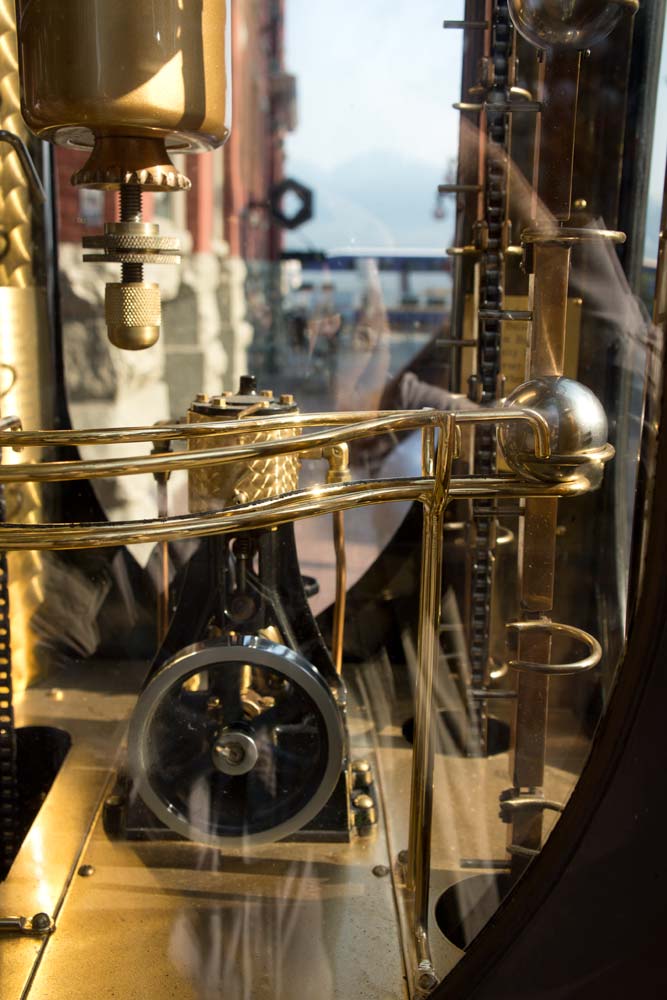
{"type": "Point", "coordinates": [274, 510]}
{"type": "Point", "coordinates": [341, 590]}
{"type": "Point", "coordinates": [163, 586]}
{"type": "Point", "coordinates": [104, 468]}
{"type": "Point", "coordinates": [421, 786]}
{"type": "Point", "coordinates": [177, 432]}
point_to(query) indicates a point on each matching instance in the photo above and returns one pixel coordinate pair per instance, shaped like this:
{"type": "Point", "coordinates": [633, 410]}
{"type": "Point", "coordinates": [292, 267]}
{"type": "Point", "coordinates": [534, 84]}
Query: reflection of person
{"type": "Point", "coordinates": [324, 322]}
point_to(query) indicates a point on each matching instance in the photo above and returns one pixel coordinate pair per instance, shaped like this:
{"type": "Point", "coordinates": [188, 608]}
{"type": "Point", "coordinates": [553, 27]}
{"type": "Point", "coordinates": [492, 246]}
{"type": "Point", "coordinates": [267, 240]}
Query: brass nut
{"type": "Point", "coordinates": [362, 774]}
{"type": "Point", "coordinates": [364, 810]}
{"type": "Point", "coordinates": [133, 314]}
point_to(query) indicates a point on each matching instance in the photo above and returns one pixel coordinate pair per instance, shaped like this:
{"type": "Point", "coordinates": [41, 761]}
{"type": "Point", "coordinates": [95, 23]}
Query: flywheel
{"type": "Point", "coordinates": [233, 744]}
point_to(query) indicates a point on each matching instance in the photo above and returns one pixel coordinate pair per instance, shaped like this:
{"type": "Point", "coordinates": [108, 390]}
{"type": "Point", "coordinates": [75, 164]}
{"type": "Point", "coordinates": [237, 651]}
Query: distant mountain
{"type": "Point", "coordinates": [374, 199]}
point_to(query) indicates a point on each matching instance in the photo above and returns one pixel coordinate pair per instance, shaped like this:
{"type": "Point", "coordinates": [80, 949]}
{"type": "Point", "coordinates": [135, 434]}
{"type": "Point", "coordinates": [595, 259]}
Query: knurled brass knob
{"type": "Point", "coordinates": [133, 314]}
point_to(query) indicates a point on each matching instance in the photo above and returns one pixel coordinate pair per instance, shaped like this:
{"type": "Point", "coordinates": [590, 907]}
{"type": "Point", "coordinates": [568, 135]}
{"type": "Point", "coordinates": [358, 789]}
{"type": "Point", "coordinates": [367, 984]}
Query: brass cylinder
{"type": "Point", "coordinates": [216, 487]}
{"type": "Point", "coordinates": [125, 68]}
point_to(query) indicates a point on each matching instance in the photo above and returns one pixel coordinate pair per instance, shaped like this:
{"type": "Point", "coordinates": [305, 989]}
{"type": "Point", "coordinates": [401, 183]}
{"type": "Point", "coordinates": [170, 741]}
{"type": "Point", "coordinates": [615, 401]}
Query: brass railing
{"type": "Point", "coordinates": [440, 432]}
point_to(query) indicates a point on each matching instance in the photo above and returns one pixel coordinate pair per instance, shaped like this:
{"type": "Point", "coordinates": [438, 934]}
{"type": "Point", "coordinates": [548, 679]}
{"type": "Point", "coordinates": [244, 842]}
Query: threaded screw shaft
{"type": "Point", "coordinates": [130, 211]}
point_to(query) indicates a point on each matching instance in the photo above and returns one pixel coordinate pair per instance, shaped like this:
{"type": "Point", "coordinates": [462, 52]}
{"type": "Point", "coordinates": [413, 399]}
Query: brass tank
{"type": "Point", "coordinates": [152, 69]}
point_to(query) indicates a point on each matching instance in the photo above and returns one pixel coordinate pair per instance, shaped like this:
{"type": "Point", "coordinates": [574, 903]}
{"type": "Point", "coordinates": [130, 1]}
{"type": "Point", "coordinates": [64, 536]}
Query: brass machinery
{"type": "Point", "coordinates": [235, 695]}
{"type": "Point", "coordinates": [516, 317]}
{"type": "Point", "coordinates": [131, 83]}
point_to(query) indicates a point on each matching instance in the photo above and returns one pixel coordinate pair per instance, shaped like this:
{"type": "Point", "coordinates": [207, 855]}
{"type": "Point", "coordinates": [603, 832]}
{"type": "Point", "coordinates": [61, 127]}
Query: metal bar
{"type": "Point", "coordinates": [549, 284]}
{"type": "Point", "coordinates": [421, 786]}
{"type": "Point", "coordinates": [274, 510]}
{"type": "Point", "coordinates": [475, 25]}
{"type": "Point", "coordinates": [167, 462]}
{"type": "Point", "coordinates": [338, 631]}
{"type": "Point", "coordinates": [177, 432]}
{"type": "Point", "coordinates": [459, 188]}
{"type": "Point", "coordinates": [163, 592]}
{"type": "Point", "coordinates": [557, 129]}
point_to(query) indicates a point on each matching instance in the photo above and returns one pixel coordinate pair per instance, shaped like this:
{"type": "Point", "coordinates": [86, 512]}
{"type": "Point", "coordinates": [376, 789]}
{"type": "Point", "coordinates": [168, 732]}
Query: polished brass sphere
{"type": "Point", "coordinates": [578, 430]}
{"type": "Point", "coordinates": [570, 24]}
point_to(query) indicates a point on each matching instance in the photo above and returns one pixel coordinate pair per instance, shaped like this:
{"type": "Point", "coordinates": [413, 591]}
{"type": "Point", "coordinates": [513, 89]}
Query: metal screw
{"type": "Point", "coordinates": [130, 211]}
{"type": "Point", "coordinates": [403, 857]}
{"type": "Point", "coordinates": [380, 871]}
{"type": "Point", "coordinates": [41, 922]}
{"type": "Point", "coordinates": [86, 870]}
{"type": "Point", "coordinates": [426, 979]}
{"type": "Point", "coordinates": [233, 752]}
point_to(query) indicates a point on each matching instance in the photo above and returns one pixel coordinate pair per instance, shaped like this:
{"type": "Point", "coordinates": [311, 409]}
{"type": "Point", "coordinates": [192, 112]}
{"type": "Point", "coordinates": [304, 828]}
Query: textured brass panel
{"type": "Point", "coordinates": [16, 265]}
{"type": "Point", "coordinates": [214, 487]}
{"type": "Point", "coordinates": [25, 372]}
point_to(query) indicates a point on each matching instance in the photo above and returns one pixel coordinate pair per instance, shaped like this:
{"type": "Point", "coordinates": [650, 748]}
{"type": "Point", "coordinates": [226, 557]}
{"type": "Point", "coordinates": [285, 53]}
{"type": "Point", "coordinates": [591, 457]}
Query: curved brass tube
{"type": "Point", "coordinates": [258, 514]}
{"type": "Point", "coordinates": [179, 432]}
{"type": "Point", "coordinates": [354, 427]}
{"type": "Point", "coordinates": [169, 462]}
{"type": "Point", "coordinates": [275, 510]}
{"type": "Point", "coordinates": [557, 628]}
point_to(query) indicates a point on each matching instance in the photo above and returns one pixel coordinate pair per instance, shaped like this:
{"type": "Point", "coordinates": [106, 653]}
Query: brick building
{"type": "Point", "coordinates": [224, 294]}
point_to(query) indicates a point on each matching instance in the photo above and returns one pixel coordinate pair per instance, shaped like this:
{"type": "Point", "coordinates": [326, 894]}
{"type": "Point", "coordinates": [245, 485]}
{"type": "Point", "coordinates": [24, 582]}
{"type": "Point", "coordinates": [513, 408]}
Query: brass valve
{"type": "Point", "coordinates": [129, 84]}
{"type": "Point", "coordinates": [132, 306]}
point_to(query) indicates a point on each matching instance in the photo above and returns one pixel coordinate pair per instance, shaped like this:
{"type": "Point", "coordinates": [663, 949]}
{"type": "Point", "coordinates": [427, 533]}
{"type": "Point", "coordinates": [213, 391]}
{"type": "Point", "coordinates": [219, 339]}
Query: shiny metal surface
{"type": "Point", "coordinates": [214, 486]}
{"type": "Point", "coordinates": [552, 629]}
{"type": "Point", "coordinates": [575, 24]}
{"type": "Point", "coordinates": [150, 68]}
{"type": "Point", "coordinates": [133, 313]}
{"type": "Point", "coordinates": [93, 709]}
{"type": "Point", "coordinates": [437, 459]}
{"type": "Point", "coordinates": [577, 422]}
{"type": "Point", "coordinates": [143, 924]}
{"type": "Point", "coordinates": [293, 507]}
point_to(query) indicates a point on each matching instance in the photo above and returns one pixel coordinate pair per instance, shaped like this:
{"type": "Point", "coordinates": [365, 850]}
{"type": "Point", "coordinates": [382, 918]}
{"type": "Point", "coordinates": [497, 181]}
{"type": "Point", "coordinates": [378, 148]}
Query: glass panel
{"type": "Point", "coordinates": [324, 519]}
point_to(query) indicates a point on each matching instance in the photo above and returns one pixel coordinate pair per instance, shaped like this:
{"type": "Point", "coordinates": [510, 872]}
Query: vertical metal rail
{"type": "Point", "coordinates": [436, 462]}
{"type": "Point", "coordinates": [537, 545]}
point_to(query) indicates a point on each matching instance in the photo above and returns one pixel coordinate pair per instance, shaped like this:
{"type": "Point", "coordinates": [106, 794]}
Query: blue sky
{"type": "Point", "coordinates": [376, 81]}
{"type": "Point", "coordinates": [376, 74]}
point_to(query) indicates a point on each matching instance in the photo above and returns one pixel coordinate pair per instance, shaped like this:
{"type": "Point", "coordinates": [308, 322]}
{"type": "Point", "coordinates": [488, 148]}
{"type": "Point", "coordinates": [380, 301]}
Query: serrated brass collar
{"type": "Point", "coordinates": [137, 160]}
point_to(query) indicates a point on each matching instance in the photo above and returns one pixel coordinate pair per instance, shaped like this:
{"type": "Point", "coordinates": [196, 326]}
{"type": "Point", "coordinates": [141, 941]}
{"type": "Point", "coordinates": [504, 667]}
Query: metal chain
{"type": "Point", "coordinates": [8, 774]}
{"type": "Point", "coordinates": [485, 388]}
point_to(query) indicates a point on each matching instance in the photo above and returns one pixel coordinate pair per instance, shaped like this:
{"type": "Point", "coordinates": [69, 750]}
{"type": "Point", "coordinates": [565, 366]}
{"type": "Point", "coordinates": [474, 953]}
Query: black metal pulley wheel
{"type": "Point", "coordinates": [236, 744]}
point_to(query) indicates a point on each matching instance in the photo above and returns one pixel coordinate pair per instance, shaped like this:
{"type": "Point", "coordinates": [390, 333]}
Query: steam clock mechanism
{"type": "Point", "coordinates": [269, 799]}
